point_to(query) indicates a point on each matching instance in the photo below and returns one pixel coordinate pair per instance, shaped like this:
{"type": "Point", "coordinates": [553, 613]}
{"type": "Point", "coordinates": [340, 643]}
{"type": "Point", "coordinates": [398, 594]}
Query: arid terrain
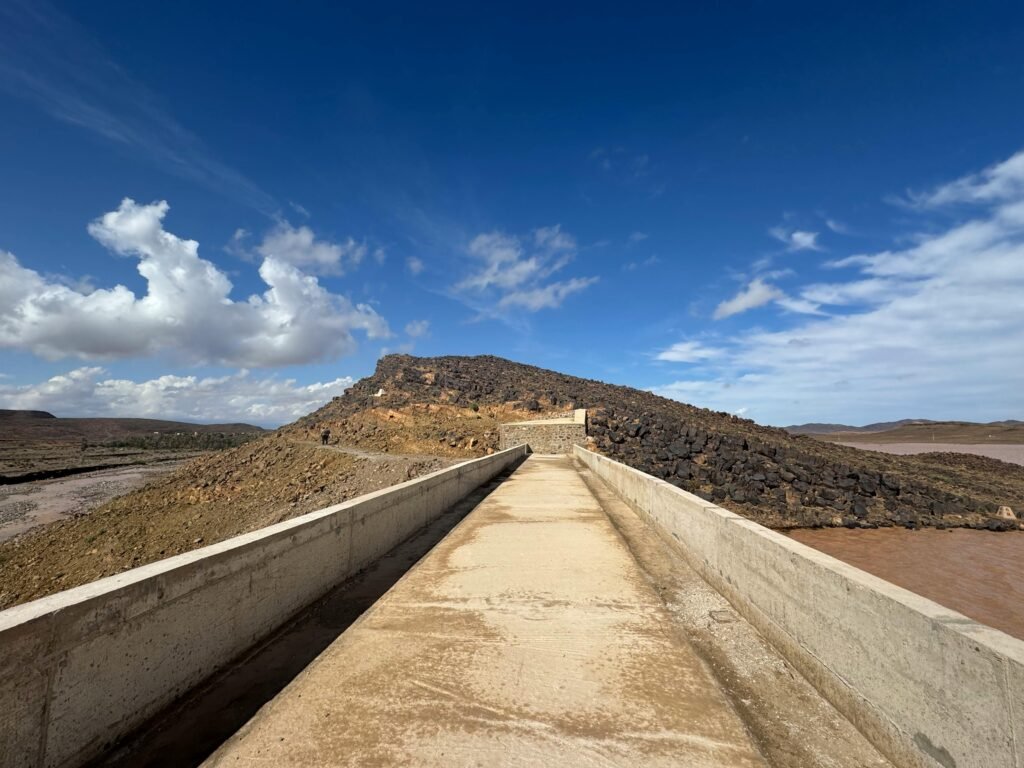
{"type": "Point", "coordinates": [38, 445]}
{"type": "Point", "coordinates": [415, 415]}
{"type": "Point", "coordinates": [25, 505]}
{"type": "Point", "coordinates": [207, 500]}
{"type": "Point", "coordinates": [918, 431]}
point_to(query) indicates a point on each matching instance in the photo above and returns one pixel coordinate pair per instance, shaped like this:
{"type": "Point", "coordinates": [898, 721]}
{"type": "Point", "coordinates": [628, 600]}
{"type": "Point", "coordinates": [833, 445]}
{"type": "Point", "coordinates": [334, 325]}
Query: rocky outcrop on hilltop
{"type": "Point", "coordinates": [767, 474]}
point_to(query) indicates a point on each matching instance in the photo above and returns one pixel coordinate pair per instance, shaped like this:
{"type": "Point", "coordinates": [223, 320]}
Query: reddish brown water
{"type": "Point", "coordinates": [978, 573]}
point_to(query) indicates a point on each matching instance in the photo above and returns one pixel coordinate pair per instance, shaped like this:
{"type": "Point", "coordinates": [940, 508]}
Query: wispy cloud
{"type": "Point", "coordinates": [640, 165]}
{"type": "Point", "coordinates": [688, 352]}
{"type": "Point", "coordinates": [1000, 182]}
{"type": "Point", "coordinates": [511, 272]}
{"type": "Point", "coordinates": [940, 321]}
{"type": "Point", "coordinates": [796, 239]}
{"type": "Point", "coordinates": [51, 61]}
{"type": "Point", "coordinates": [650, 261]}
{"type": "Point", "coordinates": [602, 156]}
{"type": "Point", "coordinates": [756, 294]}
{"type": "Point", "coordinates": [417, 329]}
{"type": "Point", "coordinates": [549, 296]}
{"type": "Point", "coordinates": [624, 164]}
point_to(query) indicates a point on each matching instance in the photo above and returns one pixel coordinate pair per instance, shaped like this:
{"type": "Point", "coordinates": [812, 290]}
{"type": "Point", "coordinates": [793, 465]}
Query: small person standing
{"type": "Point", "coordinates": [325, 436]}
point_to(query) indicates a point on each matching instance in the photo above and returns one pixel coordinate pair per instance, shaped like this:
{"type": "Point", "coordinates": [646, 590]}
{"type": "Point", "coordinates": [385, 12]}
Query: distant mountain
{"type": "Point", "coordinates": [8, 415]}
{"type": "Point", "coordinates": [918, 431]}
{"type": "Point", "coordinates": [41, 425]}
{"type": "Point", "coordinates": [815, 428]}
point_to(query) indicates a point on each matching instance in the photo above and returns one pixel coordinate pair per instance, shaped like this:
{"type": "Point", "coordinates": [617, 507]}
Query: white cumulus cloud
{"type": "Point", "coordinates": [187, 310]}
{"type": "Point", "coordinates": [299, 246]}
{"type": "Point", "coordinates": [240, 397]}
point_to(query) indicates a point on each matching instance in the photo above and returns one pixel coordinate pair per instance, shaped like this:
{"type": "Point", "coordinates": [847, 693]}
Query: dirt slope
{"type": "Point", "coordinates": [208, 500]}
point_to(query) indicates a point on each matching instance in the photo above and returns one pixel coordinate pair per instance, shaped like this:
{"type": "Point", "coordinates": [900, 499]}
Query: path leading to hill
{"type": "Point", "coordinates": [529, 636]}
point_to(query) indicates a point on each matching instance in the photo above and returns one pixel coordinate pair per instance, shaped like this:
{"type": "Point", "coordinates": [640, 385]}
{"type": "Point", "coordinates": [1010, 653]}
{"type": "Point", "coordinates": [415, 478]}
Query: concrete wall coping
{"type": "Point", "coordinates": [926, 684]}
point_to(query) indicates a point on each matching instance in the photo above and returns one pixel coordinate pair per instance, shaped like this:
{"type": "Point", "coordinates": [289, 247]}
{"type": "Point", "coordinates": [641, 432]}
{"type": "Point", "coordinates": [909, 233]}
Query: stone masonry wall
{"type": "Point", "coordinates": [544, 438]}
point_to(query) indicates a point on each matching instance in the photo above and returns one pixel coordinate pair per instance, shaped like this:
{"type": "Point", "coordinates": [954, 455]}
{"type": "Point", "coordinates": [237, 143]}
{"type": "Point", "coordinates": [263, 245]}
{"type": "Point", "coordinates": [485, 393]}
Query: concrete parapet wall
{"type": "Point", "coordinates": [928, 686]}
{"type": "Point", "coordinates": [82, 668]}
{"type": "Point", "coordinates": [548, 435]}
{"type": "Point", "coordinates": [543, 438]}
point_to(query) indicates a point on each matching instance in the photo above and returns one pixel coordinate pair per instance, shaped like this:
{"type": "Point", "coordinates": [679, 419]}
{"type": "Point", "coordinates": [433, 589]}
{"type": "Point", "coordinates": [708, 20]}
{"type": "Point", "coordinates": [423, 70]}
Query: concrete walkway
{"type": "Point", "coordinates": [528, 637]}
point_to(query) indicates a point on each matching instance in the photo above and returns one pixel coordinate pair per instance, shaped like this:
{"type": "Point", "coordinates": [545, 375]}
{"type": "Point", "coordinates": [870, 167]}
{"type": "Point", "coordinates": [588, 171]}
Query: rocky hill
{"type": "Point", "coordinates": [426, 411]}
{"type": "Point", "coordinates": [453, 405]}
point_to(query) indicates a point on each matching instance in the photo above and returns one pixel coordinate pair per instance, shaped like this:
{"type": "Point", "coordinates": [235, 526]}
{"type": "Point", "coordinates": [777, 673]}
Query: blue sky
{"type": "Point", "coordinates": [791, 211]}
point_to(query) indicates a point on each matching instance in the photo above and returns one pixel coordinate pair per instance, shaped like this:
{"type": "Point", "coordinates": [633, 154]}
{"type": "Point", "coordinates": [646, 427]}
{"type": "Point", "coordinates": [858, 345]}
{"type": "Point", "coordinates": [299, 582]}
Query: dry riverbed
{"type": "Point", "coordinates": [26, 505]}
{"type": "Point", "coordinates": [1004, 452]}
